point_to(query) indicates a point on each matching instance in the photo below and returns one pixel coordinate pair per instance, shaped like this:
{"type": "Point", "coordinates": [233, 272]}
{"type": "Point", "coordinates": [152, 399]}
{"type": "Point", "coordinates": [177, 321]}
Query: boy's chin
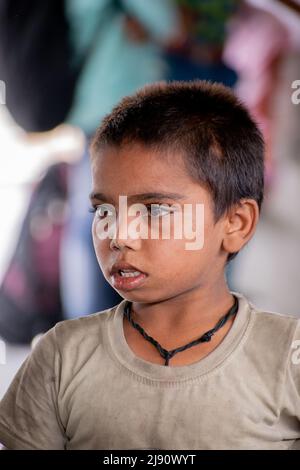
{"type": "Point", "coordinates": [144, 298]}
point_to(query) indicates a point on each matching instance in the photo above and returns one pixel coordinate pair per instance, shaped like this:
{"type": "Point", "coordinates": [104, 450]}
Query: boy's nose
{"type": "Point", "coordinates": [118, 243]}
{"type": "Point", "coordinates": [124, 236]}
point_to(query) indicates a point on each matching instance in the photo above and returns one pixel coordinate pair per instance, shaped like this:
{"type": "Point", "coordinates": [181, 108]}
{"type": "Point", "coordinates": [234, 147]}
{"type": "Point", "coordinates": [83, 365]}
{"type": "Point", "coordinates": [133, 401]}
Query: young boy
{"type": "Point", "coordinates": [181, 362]}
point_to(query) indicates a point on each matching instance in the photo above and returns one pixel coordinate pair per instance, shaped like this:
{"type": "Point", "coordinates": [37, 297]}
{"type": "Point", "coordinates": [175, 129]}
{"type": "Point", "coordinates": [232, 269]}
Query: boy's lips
{"type": "Point", "coordinates": [123, 265]}
{"type": "Point", "coordinates": [131, 277]}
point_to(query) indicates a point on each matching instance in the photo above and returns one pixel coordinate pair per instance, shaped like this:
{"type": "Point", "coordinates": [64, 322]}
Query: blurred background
{"type": "Point", "coordinates": [63, 66]}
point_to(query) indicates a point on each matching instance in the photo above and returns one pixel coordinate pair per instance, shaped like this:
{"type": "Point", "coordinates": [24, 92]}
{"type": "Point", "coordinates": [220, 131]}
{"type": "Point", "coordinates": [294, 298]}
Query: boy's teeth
{"type": "Point", "coordinates": [127, 273]}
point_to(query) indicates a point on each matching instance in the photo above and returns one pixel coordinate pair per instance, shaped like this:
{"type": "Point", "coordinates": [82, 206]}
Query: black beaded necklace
{"type": "Point", "coordinates": [167, 355]}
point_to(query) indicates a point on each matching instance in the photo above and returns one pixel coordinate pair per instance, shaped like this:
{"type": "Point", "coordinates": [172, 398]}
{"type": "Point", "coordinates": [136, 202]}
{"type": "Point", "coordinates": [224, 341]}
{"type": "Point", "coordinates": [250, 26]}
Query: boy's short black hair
{"type": "Point", "coordinates": [221, 144]}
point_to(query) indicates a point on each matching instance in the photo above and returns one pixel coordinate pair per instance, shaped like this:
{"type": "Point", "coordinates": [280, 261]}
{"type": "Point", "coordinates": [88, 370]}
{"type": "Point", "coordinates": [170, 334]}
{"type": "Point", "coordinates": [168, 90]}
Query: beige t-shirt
{"type": "Point", "coordinates": [83, 388]}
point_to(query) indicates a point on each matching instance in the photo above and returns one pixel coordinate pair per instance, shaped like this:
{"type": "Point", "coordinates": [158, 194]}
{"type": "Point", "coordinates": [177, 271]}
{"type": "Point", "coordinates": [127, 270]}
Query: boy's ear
{"type": "Point", "coordinates": [240, 225]}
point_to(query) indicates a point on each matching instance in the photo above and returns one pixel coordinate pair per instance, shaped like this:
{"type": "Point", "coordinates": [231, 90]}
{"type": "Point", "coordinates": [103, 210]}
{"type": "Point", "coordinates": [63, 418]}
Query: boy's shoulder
{"type": "Point", "coordinates": [264, 314]}
{"type": "Point", "coordinates": [89, 328]}
{"type": "Point", "coordinates": [272, 332]}
{"type": "Point", "coordinates": [274, 318]}
{"type": "Point", "coordinates": [270, 318]}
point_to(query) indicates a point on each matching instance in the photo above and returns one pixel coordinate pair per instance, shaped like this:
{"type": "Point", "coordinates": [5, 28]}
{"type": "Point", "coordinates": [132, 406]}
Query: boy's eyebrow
{"type": "Point", "coordinates": [140, 197]}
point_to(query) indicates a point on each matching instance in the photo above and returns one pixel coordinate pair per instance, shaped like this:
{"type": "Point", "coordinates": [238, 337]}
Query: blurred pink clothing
{"type": "Point", "coordinates": [255, 40]}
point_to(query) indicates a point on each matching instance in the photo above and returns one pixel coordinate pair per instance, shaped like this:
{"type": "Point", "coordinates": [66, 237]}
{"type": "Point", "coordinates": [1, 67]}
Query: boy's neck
{"type": "Point", "coordinates": [180, 317]}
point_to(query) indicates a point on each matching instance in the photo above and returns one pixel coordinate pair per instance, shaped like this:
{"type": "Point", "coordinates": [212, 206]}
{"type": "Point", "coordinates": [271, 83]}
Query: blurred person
{"type": "Point", "coordinates": [33, 180]}
{"type": "Point", "coordinates": [30, 154]}
{"type": "Point", "coordinates": [34, 68]}
{"type": "Point", "coordinates": [198, 52]}
{"type": "Point", "coordinates": [254, 47]}
{"type": "Point", "coordinates": [100, 50]}
{"type": "Point", "coordinates": [120, 43]}
{"type": "Point", "coordinates": [263, 47]}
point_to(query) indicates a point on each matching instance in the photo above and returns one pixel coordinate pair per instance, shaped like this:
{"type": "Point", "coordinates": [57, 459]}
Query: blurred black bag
{"type": "Point", "coordinates": [30, 300]}
{"type": "Point", "coordinates": [35, 62]}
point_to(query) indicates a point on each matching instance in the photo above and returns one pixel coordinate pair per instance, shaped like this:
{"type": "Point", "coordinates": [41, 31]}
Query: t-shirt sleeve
{"type": "Point", "coordinates": [29, 417]}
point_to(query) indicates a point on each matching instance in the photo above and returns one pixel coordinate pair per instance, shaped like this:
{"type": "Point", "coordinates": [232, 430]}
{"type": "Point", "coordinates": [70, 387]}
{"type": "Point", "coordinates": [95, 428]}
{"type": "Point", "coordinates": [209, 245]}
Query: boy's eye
{"type": "Point", "coordinates": [157, 210]}
{"type": "Point", "coordinates": [102, 210]}
{"type": "Point", "coordinates": [153, 210]}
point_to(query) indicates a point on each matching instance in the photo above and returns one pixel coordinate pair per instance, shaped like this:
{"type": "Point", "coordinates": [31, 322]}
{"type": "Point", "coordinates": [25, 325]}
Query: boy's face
{"type": "Point", "coordinates": [171, 269]}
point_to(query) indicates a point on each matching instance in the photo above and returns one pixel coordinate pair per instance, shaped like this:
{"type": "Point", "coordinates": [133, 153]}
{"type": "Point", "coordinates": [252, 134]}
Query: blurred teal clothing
{"type": "Point", "coordinates": [114, 65]}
